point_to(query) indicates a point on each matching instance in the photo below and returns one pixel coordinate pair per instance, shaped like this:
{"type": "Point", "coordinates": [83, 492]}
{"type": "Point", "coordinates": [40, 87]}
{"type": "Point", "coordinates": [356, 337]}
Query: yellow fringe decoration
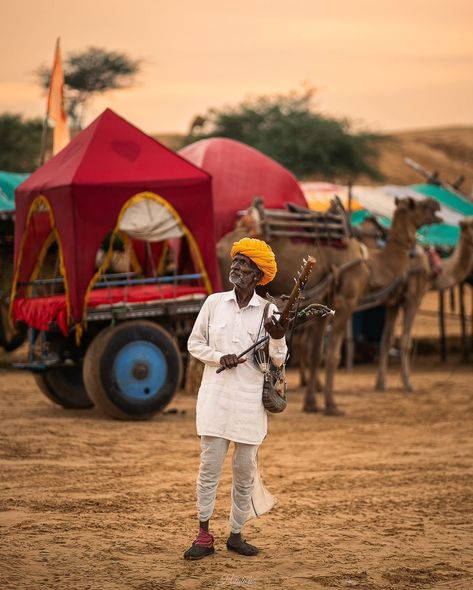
{"type": "Point", "coordinates": [54, 235]}
{"type": "Point", "coordinates": [106, 261]}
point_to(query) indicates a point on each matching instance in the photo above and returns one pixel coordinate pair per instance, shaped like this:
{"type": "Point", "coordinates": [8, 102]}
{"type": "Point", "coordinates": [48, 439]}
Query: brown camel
{"type": "Point", "coordinates": [289, 254]}
{"type": "Point", "coordinates": [453, 270]}
{"type": "Point", "coordinates": [362, 277]}
{"type": "Point", "coordinates": [382, 269]}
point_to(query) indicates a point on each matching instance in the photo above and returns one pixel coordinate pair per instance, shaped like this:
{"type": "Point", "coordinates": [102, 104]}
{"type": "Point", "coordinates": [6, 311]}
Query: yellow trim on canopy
{"type": "Point", "coordinates": [53, 235]}
{"type": "Point", "coordinates": [116, 231]}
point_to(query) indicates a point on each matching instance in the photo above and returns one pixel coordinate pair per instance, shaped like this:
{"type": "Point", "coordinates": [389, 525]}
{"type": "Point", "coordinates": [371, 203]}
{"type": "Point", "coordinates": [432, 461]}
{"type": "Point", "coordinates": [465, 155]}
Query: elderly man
{"type": "Point", "coordinates": [229, 404]}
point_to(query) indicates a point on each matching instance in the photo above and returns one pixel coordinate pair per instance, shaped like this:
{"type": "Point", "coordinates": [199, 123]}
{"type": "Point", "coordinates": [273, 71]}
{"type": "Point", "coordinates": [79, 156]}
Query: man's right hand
{"type": "Point", "coordinates": [230, 361]}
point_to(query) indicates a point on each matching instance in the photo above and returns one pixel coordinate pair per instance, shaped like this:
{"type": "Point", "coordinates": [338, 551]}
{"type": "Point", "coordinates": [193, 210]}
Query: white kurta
{"type": "Point", "coordinates": [229, 404]}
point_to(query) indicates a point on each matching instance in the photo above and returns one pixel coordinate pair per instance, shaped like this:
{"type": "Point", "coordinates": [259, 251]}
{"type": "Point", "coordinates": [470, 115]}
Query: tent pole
{"type": "Point", "coordinates": [350, 199]}
{"type": "Point", "coordinates": [471, 322]}
{"type": "Point", "coordinates": [453, 305]}
{"type": "Point", "coordinates": [443, 344]}
{"type": "Point", "coordinates": [44, 136]}
{"type": "Point", "coordinates": [465, 347]}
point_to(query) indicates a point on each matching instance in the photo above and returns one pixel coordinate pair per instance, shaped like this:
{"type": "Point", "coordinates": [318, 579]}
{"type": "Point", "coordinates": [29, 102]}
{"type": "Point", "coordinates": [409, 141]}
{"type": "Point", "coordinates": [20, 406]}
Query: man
{"type": "Point", "coordinates": [229, 404]}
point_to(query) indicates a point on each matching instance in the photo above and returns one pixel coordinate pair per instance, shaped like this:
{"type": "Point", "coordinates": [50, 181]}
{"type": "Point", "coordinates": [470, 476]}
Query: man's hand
{"type": "Point", "coordinates": [274, 328]}
{"type": "Point", "coordinates": [230, 361]}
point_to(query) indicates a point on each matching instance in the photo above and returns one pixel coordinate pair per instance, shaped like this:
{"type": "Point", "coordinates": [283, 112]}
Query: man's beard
{"type": "Point", "coordinates": [239, 280]}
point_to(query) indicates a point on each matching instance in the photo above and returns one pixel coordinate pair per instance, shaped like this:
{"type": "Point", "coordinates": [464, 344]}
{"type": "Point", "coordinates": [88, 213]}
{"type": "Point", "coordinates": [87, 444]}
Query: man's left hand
{"type": "Point", "coordinates": [274, 328]}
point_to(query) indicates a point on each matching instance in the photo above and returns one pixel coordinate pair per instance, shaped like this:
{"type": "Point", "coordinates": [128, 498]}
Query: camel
{"type": "Point", "coordinates": [286, 250]}
{"type": "Point", "coordinates": [379, 272]}
{"type": "Point", "coordinates": [453, 271]}
{"type": "Point", "coordinates": [371, 233]}
{"type": "Point", "coordinates": [360, 276]}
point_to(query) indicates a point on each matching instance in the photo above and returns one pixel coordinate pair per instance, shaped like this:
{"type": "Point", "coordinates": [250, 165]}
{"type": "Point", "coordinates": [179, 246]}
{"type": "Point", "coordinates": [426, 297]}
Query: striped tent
{"type": "Point", "coordinates": [8, 183]}
{"type": "Point", "coordinates": [380, 202]}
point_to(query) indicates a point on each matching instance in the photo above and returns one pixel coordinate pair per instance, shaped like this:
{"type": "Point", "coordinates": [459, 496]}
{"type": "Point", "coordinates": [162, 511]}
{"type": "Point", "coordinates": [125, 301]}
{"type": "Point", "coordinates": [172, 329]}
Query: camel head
{"type": "Point", "coordinates": [466, 230]}
{"type": "Point", "coordinates": [426, 212]}
{"type": "Point", "coordinates": [411, 214]}
{"type": "Point", "coordinates": [250, 221]}
{"type": "Point", "coordinates": [420, 211]}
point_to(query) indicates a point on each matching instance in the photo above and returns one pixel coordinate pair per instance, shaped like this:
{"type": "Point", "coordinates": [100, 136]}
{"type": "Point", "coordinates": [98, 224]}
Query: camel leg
{"type": "Point", "coordinates": [315, 345]}
{"type": "Point", "coordinates": [410, 311]}
{"type": "Point", "coordinates": [386, 341]}
{"type": "Point", "coordinates": [332, 357]}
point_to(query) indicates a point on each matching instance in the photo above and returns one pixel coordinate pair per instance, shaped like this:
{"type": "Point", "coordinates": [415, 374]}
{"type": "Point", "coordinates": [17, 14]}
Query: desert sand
{"type": "Point", "coordinates": [380, 498]}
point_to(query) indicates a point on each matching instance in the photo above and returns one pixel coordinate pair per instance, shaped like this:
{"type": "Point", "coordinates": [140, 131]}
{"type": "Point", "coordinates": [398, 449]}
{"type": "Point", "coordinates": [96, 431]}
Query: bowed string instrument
{"type": "Point", "coordinates": [291, 303]}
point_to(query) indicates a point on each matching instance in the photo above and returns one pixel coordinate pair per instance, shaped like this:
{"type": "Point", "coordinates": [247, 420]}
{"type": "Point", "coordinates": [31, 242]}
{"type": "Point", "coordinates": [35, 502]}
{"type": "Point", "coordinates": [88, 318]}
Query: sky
{"type": "Point", "coordinates": [386, 65]}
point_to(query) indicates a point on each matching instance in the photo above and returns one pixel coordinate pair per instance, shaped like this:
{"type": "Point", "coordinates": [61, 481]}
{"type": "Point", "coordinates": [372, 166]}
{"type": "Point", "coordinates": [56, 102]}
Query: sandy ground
{"type": "Point", "coordinates": [378, 499]}
{"type": "Point", "coordinates": [426, 324]}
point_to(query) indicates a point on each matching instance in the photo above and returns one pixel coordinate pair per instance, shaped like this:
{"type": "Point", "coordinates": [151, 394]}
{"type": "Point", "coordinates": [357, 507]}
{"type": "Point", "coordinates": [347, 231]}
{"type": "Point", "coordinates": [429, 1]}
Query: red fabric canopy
{"type": "Point", "coordinates": [39, 312]}
{"type": "Point", "coordinates": [240, 173]}
{"type": "Point", "coordinates": [85, 187]}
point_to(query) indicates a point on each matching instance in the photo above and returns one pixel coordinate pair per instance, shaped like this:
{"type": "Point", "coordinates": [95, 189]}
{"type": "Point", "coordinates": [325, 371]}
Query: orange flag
{"type": "Point", "coordinates": [55, 110]}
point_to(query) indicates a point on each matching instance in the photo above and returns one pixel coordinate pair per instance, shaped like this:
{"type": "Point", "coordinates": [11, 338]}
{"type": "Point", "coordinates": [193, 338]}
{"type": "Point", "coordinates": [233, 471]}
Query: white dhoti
{"type": "Point", "coordinates": [249, 497]}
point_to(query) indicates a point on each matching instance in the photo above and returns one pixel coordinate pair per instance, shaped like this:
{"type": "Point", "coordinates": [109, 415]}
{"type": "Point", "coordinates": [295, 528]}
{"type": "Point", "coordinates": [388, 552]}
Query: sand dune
{"type": "Point", "coordinates": [448, 150]}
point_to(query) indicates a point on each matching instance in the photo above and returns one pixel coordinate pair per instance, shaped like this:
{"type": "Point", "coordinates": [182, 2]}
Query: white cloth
{"type": "Point", "coordinates": [151, 221]}
{"type": "Point", "coordinates": [229, 404]}
{"type": "Point", "coordinates": [249, 497]}
{"type": "Point", "coordinates": [261, 498]}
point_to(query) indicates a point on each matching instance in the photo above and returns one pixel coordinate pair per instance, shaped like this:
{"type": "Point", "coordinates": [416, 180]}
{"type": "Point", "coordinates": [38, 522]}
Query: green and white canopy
{"type": "Point", "coordinates": [8, 183]}
{"type": "Point", "coordinates": [379, 202]}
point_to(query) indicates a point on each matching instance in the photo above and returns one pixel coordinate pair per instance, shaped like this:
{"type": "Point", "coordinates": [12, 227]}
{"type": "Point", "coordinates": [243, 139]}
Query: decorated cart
{"type": "Point", "coordinates": [114, 255]}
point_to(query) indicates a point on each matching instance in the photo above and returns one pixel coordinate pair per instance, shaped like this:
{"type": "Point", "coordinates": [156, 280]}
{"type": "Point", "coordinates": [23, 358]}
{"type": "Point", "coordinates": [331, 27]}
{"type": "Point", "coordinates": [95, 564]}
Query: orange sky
{"type": "Point", "coordinates": [388, 64]}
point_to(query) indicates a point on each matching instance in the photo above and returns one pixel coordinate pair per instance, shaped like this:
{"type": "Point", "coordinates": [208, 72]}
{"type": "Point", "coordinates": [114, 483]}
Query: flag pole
{"type": "Point", "coordinates": [44, 135]}
{"type": "Point", "coordinates": [55, 107]}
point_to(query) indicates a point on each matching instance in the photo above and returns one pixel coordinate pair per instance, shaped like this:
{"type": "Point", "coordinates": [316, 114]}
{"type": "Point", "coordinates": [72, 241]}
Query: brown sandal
{"type": "Point", "coordinates": [243, 548]}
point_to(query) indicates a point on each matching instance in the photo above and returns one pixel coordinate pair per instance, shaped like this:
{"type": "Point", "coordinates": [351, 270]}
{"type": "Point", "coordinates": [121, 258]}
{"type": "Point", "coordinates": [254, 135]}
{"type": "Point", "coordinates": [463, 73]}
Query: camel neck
{"type": "Point", "coordinates": [458, 266]}
{"type": "Point", "coordinates": [401, 239]}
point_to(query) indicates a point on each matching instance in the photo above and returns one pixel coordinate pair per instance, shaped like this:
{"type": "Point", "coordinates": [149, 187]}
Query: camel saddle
{"type": "Point", "coordinates": [435, 263]}
{"type": "Point", "coordinates": [329, 228]}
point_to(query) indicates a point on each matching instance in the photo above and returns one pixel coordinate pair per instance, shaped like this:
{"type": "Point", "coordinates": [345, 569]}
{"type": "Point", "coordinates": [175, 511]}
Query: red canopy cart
{"type": "Point", "coordinates": [113, 184]}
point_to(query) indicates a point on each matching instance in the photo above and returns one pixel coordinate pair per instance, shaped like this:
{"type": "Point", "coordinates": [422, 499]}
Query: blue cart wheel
{"type": "Point", "coordinates": [140, 370]}
{"type": "Point", "coordinates": [132, 371]}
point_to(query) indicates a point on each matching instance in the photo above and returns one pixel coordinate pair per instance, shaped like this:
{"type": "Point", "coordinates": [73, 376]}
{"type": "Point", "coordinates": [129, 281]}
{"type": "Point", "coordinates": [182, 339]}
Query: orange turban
{"type": "Point", "coordinates": [260, 253]}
